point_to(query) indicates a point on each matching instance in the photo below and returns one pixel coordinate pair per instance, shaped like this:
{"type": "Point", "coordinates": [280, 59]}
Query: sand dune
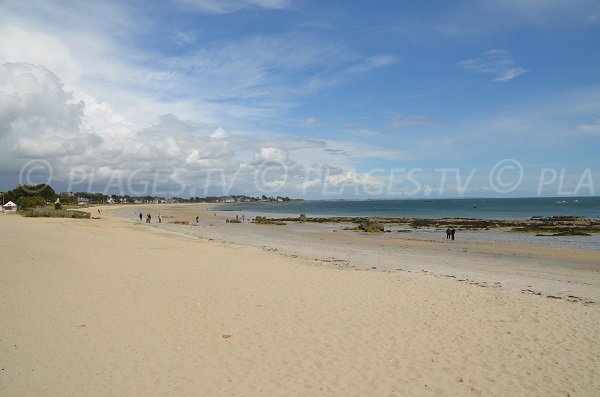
{"type": "Point", "coordinates": [110, 307]}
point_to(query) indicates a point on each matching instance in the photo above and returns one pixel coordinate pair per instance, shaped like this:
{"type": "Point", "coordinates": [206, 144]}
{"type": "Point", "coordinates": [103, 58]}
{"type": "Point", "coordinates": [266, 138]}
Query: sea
{"type": "Point", "coordinates": [482, 208]}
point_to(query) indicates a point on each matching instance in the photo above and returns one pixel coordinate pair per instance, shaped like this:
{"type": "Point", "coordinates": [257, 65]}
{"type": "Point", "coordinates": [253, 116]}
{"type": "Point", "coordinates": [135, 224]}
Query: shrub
{"type": "Point", "coordinates": [53, 213]}
{"type": "Point", "coordinates": [31, 202]}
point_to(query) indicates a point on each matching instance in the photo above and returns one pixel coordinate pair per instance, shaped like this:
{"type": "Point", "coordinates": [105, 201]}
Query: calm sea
{"type": "Point", "coordinates": [489, 208]}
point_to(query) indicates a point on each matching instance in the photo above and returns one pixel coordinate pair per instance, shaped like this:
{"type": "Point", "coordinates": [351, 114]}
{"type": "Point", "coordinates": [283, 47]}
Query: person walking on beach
{"type": "Point", "coordinates": [141, 216]}
{"type": "Point", "coordinates": [197, 219]}
{"type": "Point", "coordinates": [452, 231]}
{"type": "Point", "coordinates": [148, 218]}
{"type": "Point", "coordinates": [159, 219]}
{"type": "Point", "coordinates": [448, 234]}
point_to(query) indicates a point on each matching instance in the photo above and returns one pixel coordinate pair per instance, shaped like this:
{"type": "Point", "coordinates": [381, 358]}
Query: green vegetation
{"type": "Point", "coordinates": [263, 220]}
{"type": "Point", "coordinates": [565, 233]}
{"type": "Point", "coordinates": [551, 230]}
{"type": "Point", "coordinates": [556, 225]}
{"type": "Point", "coordinates": [53, 213]}
{"type": "Point", "coordinates": [41, 191]}
{"type": "Point", "coordinates": [25, 202]}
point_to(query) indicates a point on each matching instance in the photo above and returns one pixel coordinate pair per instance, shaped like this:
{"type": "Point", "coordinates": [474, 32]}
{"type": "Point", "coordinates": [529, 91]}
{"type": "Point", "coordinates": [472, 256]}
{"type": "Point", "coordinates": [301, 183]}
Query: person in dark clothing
{"type": "Point", "coordinates": [141, 216]}
{"type": "Point", "coordinates": [452, 231]}
{"type": "Point", "coordinates": [448, 234]}
{"type": "Point", "coordinates": [148, 218]}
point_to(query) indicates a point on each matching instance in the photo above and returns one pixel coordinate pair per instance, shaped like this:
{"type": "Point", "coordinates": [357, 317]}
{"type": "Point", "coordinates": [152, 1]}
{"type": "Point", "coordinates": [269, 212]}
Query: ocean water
{"type": "Point", "coordinates": [488, 208]}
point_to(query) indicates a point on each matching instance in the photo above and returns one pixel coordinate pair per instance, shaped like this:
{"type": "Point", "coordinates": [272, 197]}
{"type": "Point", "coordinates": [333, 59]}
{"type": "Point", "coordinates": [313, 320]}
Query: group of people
{"type": "Point", "coordinates": [149, 218]}
{"type": "Point", "coordinates": [450, 234]}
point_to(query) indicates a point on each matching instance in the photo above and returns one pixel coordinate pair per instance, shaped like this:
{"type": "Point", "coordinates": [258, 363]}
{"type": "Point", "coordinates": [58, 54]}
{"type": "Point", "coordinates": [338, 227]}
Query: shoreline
{"type": "Point", "coordinates": [430, 208]}
{"type": "Point", "coordinates": [555, 272]}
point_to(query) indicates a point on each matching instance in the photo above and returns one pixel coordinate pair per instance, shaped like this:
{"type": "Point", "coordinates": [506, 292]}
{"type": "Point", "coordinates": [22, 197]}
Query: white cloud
{"type": "Point", "coordinates": [349, 70]}
{"type": "Point", "coordinates": [407, 120]}
{"type": "Point", "coordinates": [510, 74]}
{"type": "Point", "coordinates": [39, 118]}
{"type": "Point", "coordinates": [184, 38]}
{"type": "Point", "coordinates": [475, 18]}
{"type": "Point", "coordinates": [34, 103]}
{"type": "Point", "coordinates": [268, 155]}
{"type": "Point", "coordinates": [219, 133]}
{"type": "Point", "coordinates": [499, 63]}
{"type": "Point", "coordinates": [37, 48]}
{"type": "Point", "coordinates": [310, 122]}
{"type": "Point", "coordinates": [593, 18]}
{"type": "Point", "coordinates": [589, 129]}
{"type": "Point", "coordinates": [227, 6]}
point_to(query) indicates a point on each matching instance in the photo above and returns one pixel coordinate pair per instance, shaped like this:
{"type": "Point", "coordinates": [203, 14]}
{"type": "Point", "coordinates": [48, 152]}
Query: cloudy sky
{"type": "Point", "coordinates": [304, 98]}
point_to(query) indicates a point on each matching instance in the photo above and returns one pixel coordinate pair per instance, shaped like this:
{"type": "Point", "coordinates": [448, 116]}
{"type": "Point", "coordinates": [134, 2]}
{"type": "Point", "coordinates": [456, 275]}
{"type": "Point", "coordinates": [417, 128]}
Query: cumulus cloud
{"type": "Point", "coordinates": [24, 45]}
{"type": "Point", "coordinates": [34, 104]}
{"type": "Point", "coordinates": [268, 155]}
{"type": "Point", "coordinates": [498, 63]}
{"type": "Point", "coordinates": [219, 133]}
{"type": "Point", "coordinates": [91, 147]}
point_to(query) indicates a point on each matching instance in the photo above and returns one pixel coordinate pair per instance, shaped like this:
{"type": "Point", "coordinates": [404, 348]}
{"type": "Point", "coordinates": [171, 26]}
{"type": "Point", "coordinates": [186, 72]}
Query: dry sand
{"type": "Point", "coordinates": [110, 307]}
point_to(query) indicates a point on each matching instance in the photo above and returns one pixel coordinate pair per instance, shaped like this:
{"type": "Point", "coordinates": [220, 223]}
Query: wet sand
{"type": "Point", "coordinates": [116, 307]}
{"type": "Point", "coordinates": [566, 273]}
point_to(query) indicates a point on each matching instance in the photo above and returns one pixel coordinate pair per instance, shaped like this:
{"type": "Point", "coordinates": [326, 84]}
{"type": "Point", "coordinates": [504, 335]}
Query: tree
{"type": "Point", "coordinates": [31, 202]}
{"type": "Point", "coordinates": [40, 190]}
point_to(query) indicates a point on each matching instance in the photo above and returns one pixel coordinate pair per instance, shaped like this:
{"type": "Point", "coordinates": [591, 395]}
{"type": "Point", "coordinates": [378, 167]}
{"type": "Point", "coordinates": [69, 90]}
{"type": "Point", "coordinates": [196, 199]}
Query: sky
{"type": "Point", "coordinates": [301, 98]}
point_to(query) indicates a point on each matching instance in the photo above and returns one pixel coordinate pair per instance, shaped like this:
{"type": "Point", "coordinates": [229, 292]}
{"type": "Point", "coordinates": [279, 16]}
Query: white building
{"type": "Point", "coordinates": [9, 207]}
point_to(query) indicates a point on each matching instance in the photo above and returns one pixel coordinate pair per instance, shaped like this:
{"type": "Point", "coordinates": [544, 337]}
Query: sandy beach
{"type": "Point", "coordinates": [116, 307]}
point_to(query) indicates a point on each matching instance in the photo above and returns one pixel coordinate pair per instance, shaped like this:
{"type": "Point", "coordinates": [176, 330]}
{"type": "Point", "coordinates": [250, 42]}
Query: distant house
{"type": "Point", "coordinates": [83, 201]}
{"type": "Point", "coordinates": [9, 207]}
{"type": "Point", "coordinates": [110, 200]}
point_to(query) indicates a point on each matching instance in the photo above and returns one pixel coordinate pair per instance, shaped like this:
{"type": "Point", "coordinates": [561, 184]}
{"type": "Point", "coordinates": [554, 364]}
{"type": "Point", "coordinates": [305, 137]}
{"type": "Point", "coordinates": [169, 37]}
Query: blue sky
{"type": "Point", "coordinates": [303, 98]}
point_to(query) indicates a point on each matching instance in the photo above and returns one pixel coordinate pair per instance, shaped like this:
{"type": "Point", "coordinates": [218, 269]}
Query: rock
{"type": "Point", "coordinates": [372, 226]}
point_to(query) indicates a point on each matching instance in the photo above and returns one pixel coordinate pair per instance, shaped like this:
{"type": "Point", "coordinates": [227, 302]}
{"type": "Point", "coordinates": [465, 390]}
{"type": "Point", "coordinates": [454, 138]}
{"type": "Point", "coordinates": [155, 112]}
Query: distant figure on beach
{"type": "Point", "coordinates": [148, 218]}
{"type": "Point", "coordinates": [452, 231]}
{"type": "Point", "coordinates": [237, 218]}
{"type": "Point", "coordinates": [99, 211]}
{"type": "Point", "coordinates": [448, 234]}
{"type": "Point", "coordinates": [197, 219]}
{"type": "Point", "coordinates": [141, 216]}
{"type": "Point", "coordinates": [243, 218]}
{"type": "Point", "coordinates": [159, 219]}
